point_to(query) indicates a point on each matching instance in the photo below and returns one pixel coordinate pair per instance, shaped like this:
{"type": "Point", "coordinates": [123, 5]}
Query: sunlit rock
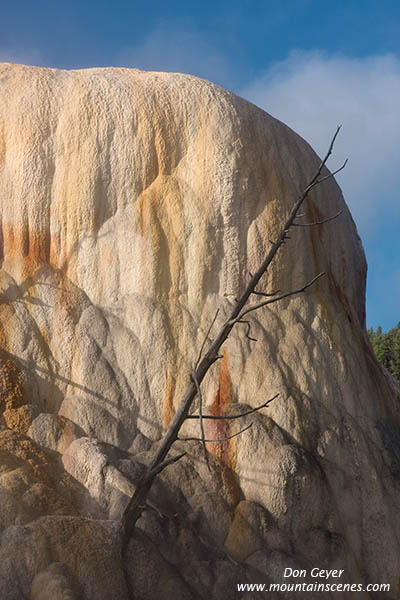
{"type": "Point", "coordinates": [134, 205]}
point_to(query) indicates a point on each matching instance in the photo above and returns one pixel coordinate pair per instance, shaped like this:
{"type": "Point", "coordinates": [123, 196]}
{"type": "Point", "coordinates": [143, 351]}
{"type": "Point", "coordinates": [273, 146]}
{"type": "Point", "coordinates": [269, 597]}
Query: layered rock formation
{"type": "Point", "coordinates": [133, 205]}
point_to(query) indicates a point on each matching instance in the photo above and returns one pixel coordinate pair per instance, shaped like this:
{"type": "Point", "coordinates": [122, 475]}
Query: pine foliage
{"type": "Point", "coordinates": [387, 348]}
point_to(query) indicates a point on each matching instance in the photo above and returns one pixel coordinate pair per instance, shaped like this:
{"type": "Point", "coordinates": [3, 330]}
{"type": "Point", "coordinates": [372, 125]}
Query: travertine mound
{"type": "Point", "coordinates": [133, 205]}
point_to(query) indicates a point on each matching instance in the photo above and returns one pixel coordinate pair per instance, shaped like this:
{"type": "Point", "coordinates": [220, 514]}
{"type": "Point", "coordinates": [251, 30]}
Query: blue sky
{"type": "Point", "coordinates": [311, 64]}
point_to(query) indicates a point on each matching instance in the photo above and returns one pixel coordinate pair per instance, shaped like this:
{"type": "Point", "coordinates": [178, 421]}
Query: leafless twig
{"type": "Point", "coordinates": [201, 418]}
{"type": "Point", "coordinates": [243, 414]}
{"type": "Point", "coordinates": [278, 298]}
{"type": "Point", "coordinates": [330, 175]}
{"type": "Point", "coordinates": [224, 439]}
{"type": "Point", "coordinates": [257, 293]}
{"type": "Point", "coordinates": [206, 337]}
{"type": "Point", "coordinates": [248, 331]}
{"type": "Point", "coordinates": [169, 461]}
{"type": "Point", "coordinates": [318, 222]}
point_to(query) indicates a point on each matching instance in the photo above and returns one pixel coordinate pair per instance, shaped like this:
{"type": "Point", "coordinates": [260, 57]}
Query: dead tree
{"type": "Point", "coordinates": [238, 315]}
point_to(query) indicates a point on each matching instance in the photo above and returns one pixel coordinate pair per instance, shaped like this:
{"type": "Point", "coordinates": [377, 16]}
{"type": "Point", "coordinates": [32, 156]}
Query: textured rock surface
{"type": "Point", "coordinates": [54, 432]}
{"type": "Point", "coordinates": [134, 204]}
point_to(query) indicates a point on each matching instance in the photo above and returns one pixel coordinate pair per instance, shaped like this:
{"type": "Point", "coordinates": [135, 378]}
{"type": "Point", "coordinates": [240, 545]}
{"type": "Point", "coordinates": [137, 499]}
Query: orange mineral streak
{"type": "Point", "coordinates": [314, 215]}
{"type": "Point", "coordinates": [57, 256]}
{"type": "Point", "coordinates": [224, 452]}
{"type": "Point", "coordinates": [221, 428]}
{"type": "Point", "coordinates": [24, 249]}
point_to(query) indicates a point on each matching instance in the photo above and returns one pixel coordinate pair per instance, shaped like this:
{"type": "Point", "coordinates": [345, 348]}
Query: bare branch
{"type": "Point", "coordinates": [225, 439]}
{"type": "Point", "coordinates": [165, 463]}
{"type": "Point", "coordinates": [330, 175]}
{"type": "Point", "coordinates": [244, 414]}
{"type": "Point", "coordinates": [201, 418]}
{"type": "Point", "coordinates": [291, 293]}
{"type": "Point", "coordinates": [318, 222]}
{"type": "Point", "coordinates": [205, 339]}
{"type": "Point", "coordinates": [324, 160]}
{"type": "Point", "coordinates": [257, 293]}
{"type": "Point", "coordinates": [248, 330]}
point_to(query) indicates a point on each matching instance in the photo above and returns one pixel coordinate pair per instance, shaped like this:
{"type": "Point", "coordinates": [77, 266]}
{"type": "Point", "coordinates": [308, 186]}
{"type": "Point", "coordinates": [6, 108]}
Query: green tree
{"type": "Point", "coordinates": [387, 348]}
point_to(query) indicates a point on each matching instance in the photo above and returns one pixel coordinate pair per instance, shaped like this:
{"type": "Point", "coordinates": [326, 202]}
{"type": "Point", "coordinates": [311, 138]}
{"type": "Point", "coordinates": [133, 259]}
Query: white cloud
{"type": "Point", "coordinates": [313, 92]}
{"type": "Point", "coordinates": [179, 48]}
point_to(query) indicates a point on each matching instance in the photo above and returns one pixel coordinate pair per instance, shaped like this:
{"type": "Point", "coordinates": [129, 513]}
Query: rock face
{"type": "Point", "coordinates": [133, 205]}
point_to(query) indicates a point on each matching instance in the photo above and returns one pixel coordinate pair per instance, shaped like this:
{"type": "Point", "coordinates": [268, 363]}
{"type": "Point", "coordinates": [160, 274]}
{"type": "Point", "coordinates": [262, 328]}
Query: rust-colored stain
{"type": "Point", "coordinates": [31, 248]}
{"type": "Point", "coordinates": [145, 205]}
{"type": "Point", "coordinates": [315, 215]}
{"type": "Point", "coordinates": [168, 407]}
{"type": "Point", "coordinates": [340, 295]}
{"type": "Point", "coordinates": [224, 452]}
{"type": "Point", "coordinates": [56, 255]}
